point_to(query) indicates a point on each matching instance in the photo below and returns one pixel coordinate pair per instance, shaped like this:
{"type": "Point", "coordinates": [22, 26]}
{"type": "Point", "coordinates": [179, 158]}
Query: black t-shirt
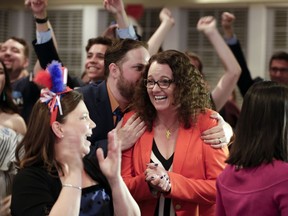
{"type": "Point", "coordinates": [25, 93]}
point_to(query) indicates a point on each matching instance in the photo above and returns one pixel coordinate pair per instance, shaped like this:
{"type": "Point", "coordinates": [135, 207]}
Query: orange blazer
{"type": "Point", "coordinates": [194, 170]}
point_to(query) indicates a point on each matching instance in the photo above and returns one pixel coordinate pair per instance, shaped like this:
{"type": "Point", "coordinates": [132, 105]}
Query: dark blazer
{"type": "Point", "coordinates": [98, 104]}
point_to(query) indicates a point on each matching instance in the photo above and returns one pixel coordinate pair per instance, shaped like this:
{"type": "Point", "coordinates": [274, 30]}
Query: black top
{"type": "Point", "coordinates": [25, 93]}
{"type": "Point", "coordinates": [35, 191]}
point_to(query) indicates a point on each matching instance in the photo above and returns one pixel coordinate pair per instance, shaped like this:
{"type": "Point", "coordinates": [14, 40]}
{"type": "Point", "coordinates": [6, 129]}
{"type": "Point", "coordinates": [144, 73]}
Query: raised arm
{"type": "Point", "coordinates": [245, 80]}
{"type": "Point", "coordinates": [116, 7]}
{"type": "Point", "coordinates": [123, 202]}
{"type": "Point", "coordinates": [44, 33]}
{"type": "Point", "coordinates": [45, 44]}
{"type": "Point", "coordinates": [156, 40]}
{"type": "Point", "coordinates": [228, 81]}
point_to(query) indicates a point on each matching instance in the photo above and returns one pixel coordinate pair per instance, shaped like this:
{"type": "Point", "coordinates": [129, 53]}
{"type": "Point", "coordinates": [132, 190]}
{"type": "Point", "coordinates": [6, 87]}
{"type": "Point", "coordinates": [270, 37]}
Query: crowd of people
{"type": "Point", "coordinates": [142, 134]}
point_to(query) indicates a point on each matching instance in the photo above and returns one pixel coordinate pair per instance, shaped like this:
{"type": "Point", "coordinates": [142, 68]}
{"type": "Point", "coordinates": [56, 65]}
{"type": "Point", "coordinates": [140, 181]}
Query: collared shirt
{"type": "Point", "coordinates": [114, 104]}
{"type": "Point", "coordinates": [43, 37]}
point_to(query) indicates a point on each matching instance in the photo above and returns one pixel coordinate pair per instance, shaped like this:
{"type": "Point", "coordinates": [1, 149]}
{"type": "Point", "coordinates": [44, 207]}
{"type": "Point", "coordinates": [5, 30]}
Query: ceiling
{"type": "Point", "coordinates": [147, 3]}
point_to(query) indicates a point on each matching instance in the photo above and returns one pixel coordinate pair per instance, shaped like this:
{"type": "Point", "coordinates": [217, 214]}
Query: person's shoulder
{"type": "Point", "coordinates": [204, 118]}
{"type": "Point", "coordinates": [279, 167]}
{"type": "Point", "coordinates": [91, 87]}
{"type": "Point", "coordinates": [19, 124]}
{"type": "Point", "coordinates": [14, 121]}
{"type": "Point", "coordinates": [24, 81]}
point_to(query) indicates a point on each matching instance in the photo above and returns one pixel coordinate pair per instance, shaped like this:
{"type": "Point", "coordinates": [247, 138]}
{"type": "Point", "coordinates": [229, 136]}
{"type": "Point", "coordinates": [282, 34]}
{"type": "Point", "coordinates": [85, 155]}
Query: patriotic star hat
{"type": "Point", "coordinates": [54, 80]}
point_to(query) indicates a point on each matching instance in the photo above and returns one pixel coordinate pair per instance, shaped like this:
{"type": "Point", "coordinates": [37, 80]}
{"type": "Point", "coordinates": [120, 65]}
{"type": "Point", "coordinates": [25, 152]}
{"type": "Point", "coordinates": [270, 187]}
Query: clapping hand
{"type": "Point", "coordinates": [157, 177]}
{"type": "Point", "coordinates": [111, 165]}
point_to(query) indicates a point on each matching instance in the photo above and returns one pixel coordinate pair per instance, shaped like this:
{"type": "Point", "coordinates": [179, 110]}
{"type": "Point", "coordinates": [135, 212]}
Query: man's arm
{"type": "Point", "coordinates": [45, 44]}
{"type": "Point", "coordinates": [220, 135]}
{"type": "Point", "coordinates": [245, 80]}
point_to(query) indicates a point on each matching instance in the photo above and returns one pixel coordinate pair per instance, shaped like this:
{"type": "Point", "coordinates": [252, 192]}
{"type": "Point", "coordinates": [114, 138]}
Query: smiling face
{"type": "Point", "coordinates": [12, 53]}
{"type": "Point", "coordinates": [94, 64]}
{"type": "Point", "coordinates": [77, 127]}
{"type": "Point", "coordinates": [161, 98]}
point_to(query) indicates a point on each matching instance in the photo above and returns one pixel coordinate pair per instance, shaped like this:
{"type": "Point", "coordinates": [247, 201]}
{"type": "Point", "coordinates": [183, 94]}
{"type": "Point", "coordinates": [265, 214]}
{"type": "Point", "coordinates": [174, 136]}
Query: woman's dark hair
{"type": "Point", "coordinates": [6, 102]}
{"type": "Point", "coordinates": [98, 40]}
{"type": "Point", "coordinates": [261, 132]}
{"type": "Point", "coordinates": [191, 95]}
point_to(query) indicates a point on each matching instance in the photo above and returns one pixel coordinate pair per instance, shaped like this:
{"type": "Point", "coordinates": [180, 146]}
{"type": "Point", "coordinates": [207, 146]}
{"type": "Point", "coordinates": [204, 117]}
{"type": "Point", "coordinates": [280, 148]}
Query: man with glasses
{"type": "Point", "coordinates": [278, 67]}
{"type": "Point", "coordinates": [278, 64]}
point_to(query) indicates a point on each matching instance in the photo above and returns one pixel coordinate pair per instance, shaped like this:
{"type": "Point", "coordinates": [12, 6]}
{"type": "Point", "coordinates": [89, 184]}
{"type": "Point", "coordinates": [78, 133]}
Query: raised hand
{"type": "Point", "coordinates": [227, 20]}
{"type": "Point", "coordinates": [111, 165]}
{"type": "Point", "coordinates": [113, 6]}
{"type": "Point", "coordinates": [38, 7]}
{"type": "Point", "coordinates": [166, 16]}
{"type": "Point", "coordinates": [206, 24]}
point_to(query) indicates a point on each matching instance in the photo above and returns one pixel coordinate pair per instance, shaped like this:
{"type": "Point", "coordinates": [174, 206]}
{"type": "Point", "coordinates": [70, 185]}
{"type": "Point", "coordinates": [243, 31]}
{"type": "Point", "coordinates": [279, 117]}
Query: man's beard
{"type": "Point", "coordinates": [126, 88]}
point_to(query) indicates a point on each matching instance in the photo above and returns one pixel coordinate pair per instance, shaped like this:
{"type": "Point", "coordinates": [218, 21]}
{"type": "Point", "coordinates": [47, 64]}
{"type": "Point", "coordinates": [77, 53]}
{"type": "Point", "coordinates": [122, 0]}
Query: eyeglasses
{"type": "Point", "coordinates": [276, 69]}
{"type": "Point", "coordinates": [163, 83]}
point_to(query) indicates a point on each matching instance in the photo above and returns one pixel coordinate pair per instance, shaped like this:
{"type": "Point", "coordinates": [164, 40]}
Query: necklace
{"type": "Point", "coordinates": [170, 130]}
{"type": "Point", "coordinates": [168, 134]}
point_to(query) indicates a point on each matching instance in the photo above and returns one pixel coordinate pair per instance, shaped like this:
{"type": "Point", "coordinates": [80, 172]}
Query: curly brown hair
{"type": "Point", "coordinates": [191, 94]}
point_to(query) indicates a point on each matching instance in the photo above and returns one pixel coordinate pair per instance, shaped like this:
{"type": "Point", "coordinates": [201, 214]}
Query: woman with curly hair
{"type": "Point", "coordinates": [170, 170]}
